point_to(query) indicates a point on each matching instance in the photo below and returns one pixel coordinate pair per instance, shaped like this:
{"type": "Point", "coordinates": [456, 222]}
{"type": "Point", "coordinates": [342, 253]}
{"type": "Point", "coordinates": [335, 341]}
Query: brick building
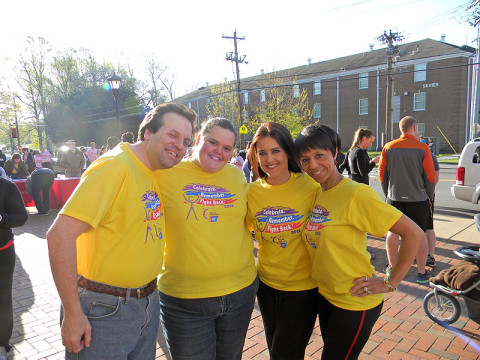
{"type": "Point", "coordinates": [433, 82]}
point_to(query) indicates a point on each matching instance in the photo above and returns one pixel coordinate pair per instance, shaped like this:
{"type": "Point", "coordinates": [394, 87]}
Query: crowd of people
{"type": "Point", "coordinates": [170, 237]}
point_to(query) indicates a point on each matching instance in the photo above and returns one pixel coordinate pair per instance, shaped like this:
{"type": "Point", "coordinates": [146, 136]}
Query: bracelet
{"type": "Point", "coordinates": [386, 282]}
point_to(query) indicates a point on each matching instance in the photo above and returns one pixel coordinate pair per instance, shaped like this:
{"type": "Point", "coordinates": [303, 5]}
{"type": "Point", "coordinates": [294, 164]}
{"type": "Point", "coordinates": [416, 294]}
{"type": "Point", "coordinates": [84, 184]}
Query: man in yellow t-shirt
{"type": "Point", "coordinates": [107, 243]}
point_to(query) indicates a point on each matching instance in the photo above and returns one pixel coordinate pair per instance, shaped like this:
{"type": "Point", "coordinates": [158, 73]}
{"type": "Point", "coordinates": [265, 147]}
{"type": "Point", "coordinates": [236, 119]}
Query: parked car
{"type": "Point", "coordinates": [467, 186]}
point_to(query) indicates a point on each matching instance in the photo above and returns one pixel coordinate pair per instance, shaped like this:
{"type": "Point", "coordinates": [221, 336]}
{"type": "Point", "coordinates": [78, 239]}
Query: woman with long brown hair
{"type": "Point", "coordinates": [359, 162]}
{"type": "Point", "coordinates": [278, 204]}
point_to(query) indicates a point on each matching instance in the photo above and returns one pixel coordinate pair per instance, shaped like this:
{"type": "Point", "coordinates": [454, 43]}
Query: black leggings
{"type": "Point", "coordinates": [7, 265]}
{"type": "Point", "coordinates": [344, 332]}
{"type": "Point", "coordinates": [288, 319]}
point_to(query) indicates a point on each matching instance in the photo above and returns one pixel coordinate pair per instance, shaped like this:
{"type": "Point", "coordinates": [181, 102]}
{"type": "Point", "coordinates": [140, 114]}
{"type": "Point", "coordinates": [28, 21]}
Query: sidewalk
{"type": "Point", "coordinates": [402, 332]}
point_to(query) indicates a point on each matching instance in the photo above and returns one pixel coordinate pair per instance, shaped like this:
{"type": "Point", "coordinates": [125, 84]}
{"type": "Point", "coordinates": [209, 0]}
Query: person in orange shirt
{"type": "Point", "coordinates": [407, 176]}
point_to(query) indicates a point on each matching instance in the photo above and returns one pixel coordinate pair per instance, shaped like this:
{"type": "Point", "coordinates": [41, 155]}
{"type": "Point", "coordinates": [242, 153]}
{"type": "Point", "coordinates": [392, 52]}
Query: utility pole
{"type": "Point", "coordinates": [233, 56]}
{"type": "Point", "coordinates": [392, 51]}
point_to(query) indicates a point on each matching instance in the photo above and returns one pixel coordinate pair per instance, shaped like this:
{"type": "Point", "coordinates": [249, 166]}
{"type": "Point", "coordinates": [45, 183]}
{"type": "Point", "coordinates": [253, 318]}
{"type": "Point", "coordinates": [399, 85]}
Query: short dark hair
{"type": "Point", "coordinates": [283, 137]}
{"type": "Point", "coordinates": [208, 125]}
{"type": "Point", "coordinates": [154, 119]}
{"type": "Point", "coordinates": [317, 136]}
{"type": "Point", "coordinates": [128, 137]}
{"type": "Point", "coordinates": [16, 156]}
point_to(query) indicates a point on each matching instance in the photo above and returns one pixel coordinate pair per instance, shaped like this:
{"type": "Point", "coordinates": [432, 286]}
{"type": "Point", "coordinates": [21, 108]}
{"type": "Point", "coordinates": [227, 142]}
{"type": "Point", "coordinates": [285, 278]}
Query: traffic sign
{"type": "Point", "coordinates": [243, 130]}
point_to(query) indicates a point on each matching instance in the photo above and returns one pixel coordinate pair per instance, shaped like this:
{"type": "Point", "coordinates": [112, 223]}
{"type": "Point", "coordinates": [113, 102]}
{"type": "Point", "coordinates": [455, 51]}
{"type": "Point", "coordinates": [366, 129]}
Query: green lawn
{"type": "Point", "coordinates": [442, 158]}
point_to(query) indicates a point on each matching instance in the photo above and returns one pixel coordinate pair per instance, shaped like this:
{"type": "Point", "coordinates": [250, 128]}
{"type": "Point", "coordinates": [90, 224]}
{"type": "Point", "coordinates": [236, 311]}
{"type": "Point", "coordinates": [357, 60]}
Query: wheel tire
{"type": "Point", "coordinates": [449, 310]}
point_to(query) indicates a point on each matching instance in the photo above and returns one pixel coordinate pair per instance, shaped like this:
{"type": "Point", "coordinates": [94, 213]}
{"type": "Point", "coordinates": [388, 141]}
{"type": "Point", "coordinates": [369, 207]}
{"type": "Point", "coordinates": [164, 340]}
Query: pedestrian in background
{"type": "Point", "coordinates": [15, 167]}
{"type": "Point", "coordinates": [92, 153]}
{"type": "Point", "coordinates": [407, 176]}
{"type": "Point", "coordinates": [12, 214]}
{"type": "Point", "coordinates": [128, 137]}
{"type": "Point", "coordinates": [28, 159]}
{"type": "Point", "coordinates": [3, 158]}
{"type": "Point", "coordinates": [430, 232]}
{"type": "Point", "coordinates": [46, 158]}
{"type": "Point", "coordinates": [72, 160]}
{"type": "Point", "coordinates": [112, 141]}
{"type": "Point", "coordinates": [359, 162]}
{"type": "Point", "coordinates": [38, 185]}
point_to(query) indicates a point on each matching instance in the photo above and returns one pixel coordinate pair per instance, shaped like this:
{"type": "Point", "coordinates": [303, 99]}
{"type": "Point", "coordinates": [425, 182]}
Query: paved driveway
{"type": "Point", "coordinates": [402, 332]}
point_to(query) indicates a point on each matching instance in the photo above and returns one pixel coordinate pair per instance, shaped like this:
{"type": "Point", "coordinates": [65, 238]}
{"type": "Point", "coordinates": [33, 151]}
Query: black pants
{"type": "Point", "coordinates": [42, 181]}
{"type": "Point", "coordinates": [288, 319]}
{"type": "Point", "coordinates": [344, 332]}
{"type": "Point", "coordinates": [7, 265]}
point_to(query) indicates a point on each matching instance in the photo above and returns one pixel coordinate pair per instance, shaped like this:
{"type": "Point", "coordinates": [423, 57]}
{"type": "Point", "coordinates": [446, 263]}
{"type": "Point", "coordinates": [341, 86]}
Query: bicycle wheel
{"type": "Point", "coordinates": [441, 307]}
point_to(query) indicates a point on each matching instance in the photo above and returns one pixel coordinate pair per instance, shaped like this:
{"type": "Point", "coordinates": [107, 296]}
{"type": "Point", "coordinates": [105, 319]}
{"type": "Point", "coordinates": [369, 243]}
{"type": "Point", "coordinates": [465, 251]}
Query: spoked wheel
{"type": "Point", "coordinates": [441, 307]}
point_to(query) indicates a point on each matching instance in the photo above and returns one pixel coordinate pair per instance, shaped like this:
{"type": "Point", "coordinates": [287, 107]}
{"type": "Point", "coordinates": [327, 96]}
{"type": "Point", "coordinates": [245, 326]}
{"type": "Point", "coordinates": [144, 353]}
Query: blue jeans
{"type": "Point", "coordinates": [210, 328]}
{"type": "Point", "coordinates": [122, 328]}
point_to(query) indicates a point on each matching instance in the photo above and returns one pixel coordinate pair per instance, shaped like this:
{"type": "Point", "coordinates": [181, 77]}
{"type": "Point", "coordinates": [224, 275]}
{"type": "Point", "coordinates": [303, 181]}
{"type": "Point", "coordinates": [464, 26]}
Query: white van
{"type": "Point", "coordinates": [467, 186]}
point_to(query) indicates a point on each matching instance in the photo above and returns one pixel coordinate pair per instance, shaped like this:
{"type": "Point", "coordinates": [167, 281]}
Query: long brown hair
{"type": "Point", "coordinates": [359, 135]}
{"type": "Point", "coordinates": [283, 137]}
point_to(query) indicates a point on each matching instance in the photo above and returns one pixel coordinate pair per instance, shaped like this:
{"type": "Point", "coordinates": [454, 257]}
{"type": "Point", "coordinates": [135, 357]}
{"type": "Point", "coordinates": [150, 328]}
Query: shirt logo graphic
{"type": "Point", "coordinates": [207, 195]}
{"type": "Point", "coordinates": [153, 212]}
{"type": "Point", "coordinates": [316, 221]}
{"type": "Point", "coordinates": [275, 220]}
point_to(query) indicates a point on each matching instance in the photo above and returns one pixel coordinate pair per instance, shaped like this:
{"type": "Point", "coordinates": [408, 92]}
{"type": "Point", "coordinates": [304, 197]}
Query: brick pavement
{"type": "Point", "coordinates": [402, 332]}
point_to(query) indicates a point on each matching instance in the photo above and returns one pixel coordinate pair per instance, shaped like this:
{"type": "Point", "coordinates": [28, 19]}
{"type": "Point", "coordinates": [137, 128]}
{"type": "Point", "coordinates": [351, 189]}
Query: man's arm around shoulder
{"type": "Point", "coordinates": [61, 237]}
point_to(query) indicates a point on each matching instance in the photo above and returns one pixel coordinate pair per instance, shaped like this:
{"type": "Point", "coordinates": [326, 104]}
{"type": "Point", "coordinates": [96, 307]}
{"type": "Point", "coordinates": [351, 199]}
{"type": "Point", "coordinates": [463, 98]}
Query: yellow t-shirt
{"type": "Point", "coordinates": [119, 197]}
{"type": "Point", "coordinates": [336, 237]}
{"type": "Point", "coordinates": [277, 215]}
{"type": "Point", "coordinates": [209, 250]}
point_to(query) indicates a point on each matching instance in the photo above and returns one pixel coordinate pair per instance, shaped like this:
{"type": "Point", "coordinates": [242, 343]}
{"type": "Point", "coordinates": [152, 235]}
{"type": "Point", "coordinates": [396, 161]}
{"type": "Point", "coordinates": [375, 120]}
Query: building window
{"type": "Point", "coordinates": [317, 111]}
{"type": "Point", "coordinates": [421, 128]}
{"type": "Point", "coordinates": [245, 98]}
{"type": "Point", "coordinates": [207, 101]}
{"type": "Point", "coordinates": [363, 81]}
{"type": "Point", "coordinates": [317, 88]}
{"type": "Point", "coordinates": [296, 91]}
{"type": "Point", "coordinates": [420, 73]}
{"type": "Point", "coordinates": [262, 95]}
{"type": "Point", "coordinates": [419, 101]}
{"type": "Point", "coordinates": [363, 106]}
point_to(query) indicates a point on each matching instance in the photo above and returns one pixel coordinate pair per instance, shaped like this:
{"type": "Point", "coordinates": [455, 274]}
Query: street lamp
{"type": "Point", "coordinates": [115, 83]}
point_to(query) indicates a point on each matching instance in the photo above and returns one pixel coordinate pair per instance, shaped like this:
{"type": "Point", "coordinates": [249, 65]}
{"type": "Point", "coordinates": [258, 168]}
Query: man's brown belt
{"type": "Point", "coordinates": [138, 293]}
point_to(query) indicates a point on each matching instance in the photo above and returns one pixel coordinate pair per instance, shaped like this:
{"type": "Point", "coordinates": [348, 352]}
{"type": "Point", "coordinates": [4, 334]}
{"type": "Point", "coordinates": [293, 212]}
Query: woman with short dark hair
{"type": "Point", "coordinates": [350, 295]}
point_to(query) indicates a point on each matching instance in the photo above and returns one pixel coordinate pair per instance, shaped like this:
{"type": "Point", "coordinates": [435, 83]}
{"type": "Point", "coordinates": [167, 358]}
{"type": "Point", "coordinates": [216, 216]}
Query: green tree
{"type": "Point", "coordinates": [280, 105]}
{"type": "Point", "coordinates": [224, 103]}
{"type": "Point", "coordinates": [32, 78]}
